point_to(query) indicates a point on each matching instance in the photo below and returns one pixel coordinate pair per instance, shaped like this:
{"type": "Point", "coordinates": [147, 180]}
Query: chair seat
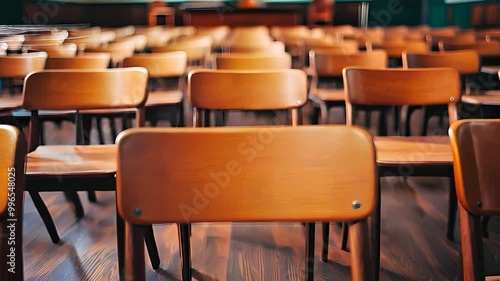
{"type": "Point", "coordinates": [426, 150]}
{"type": "Point", "coordinates": [72, 160]}
{"type": "Point", "coordinates": [331, 94]}
{"type": "Point", "coordinates": [157, 98]}
{"type": "Point", "coordinates": [485, 98]}
{"type": "Point", "coordinates": [108, 111]}
{"type": "Point", "coordinates": [8, 102]}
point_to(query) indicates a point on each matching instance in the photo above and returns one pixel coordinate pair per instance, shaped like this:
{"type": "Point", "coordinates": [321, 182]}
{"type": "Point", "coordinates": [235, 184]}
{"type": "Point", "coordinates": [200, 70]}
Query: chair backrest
{"type": "Point", "coordinates": [254, 61]}
{"type": "Point", "coordinates": [331, 63]}
{"type": "Point", "coordinates": [18, 66]}
{"type": "Point", "coordinates": [387, 87]}
{"type": "Point", "coordinates": [269, 48]}
{"type": "Point", "coordinates": [12, 187]}
{"type": "Point", "coordinates": [486, 48]}
{"type": "Point", "coordinates": [63, 50]}
{"type": "Point", "coordinates": [247, 89]}
{"type": "Point", "coordinates": [14, 42]}
{"type": "Point", "coordinates": [83, 61]}
{"type": "Point", "coordinates": [55, 37]}
{"type": "Point", "coordinates": [160, 65]}
{"type": "Point", "coordinates": [196, 48]}
{"type": "Point", "coordinates": [476, 147]}
{"type": "Point", "coordinates": [465, 62]}
{"type": "Point", "coordinates": [240, 184]}
{"type": "Point", "coordinates": [85, 89]}
{"type": "Point", "coordinates": [3, 48]}
{"type": "Point", "coordinates": [118, 51]}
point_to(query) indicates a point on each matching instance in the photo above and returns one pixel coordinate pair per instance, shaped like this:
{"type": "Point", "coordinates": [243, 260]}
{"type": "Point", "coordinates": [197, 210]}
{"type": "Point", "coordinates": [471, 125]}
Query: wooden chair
{"type": "Point", "coordinates": [3, 48]}
{"type": "Point", "coordinates": [118, 51]}
{"type": "Point", "coordinates": [407, 156]}
{"type": "Point", "coordinates": [475, 151]}
{"type": "Point", "coordinates": [52, 37]}
{"type": "Point", "coordinates": [329, 64]}
{"type": "Point", "coordinates": [83, 61]}
{"type": "Point", "coordinates": [488, 51]}
{"type": "Point", "coordinates": [14, 42]}
{"type": "Point", "coordinates": [12, 159]}
{"type": "Point", "coordinates": [160, 66]}
{"type": "Point", "coordinates": [246, 90]}
{"type": "Point", "coordinates": [63, 50]}
{"type": "Point", "coordinates": [16, 67]}
{"type": "Point", "coordinates": [197, 49]}
{"type": "Point", "coordinates": [395, 50]}
{"type": "Point", "coordinates": [253, 61]}
{"type": "Point", "coordinates": [465, 62]}
{"type": "Point", "coordinates": [78, 167]}
{"type": "Point", "coordinates": [269, 48]}
{"type": "Point", "coordinates": [315, 179]}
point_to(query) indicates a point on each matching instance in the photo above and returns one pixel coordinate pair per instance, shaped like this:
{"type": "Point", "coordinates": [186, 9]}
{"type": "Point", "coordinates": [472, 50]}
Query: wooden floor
{"type": "Point", "coordinates": [413, 243]}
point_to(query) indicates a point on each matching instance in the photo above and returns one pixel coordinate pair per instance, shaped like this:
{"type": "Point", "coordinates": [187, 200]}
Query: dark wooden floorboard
{"type": "Point", "coordinates": [413, 242]}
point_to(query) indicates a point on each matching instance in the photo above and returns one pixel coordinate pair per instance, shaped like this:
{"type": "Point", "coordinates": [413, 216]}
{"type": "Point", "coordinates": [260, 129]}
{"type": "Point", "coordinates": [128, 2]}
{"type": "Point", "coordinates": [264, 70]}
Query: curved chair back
{"type": "Point", "coordinates": [254, 61]}
{"type": "Point", "coordinates": [476, 147]}
{"type": "Point", "coordinates": [63, 50]}
{"type": "Point", "coordinates": [160, 65]}
{"type": "Point", "coordinates": [83, 61]}
{"type": "Point", "coordinates": [465, 62]}
{"type": "Point", "coordinates": [18, 66]}
{"type": "Point", "coordinates": [298, 166]}
{"type": "Point", "coordinates": [331, 63]}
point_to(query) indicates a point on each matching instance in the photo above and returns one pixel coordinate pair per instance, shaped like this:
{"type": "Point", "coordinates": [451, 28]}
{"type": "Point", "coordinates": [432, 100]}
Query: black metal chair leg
{"type": "Point", "coordinates": [452, 210]}
{"type": "Point", "coordinates": [120, 245]}
{"type": "Point", "coordinates": [185, 248]}
{"type": "Point", "coordinates": [100, 132]}
{"type": "Point", "coordinates": [112, 127]}
{"type": "Point", "coordinates": [345, 236]}
{"type": "Point", "coordinates": [77, 204]}
{"type": "Point", "coordinates": [326, 240]}
{"type": "Point", "coordinates": [45, 215]}
{"type": "Point", "coordinates": [91, 196]}
{"type": "Point", "coordinates": [484, 227]}
{"type": "Point", "coordinates": [425, 120]}
{"type": "Point", "coordinates": [149, 237]}
{"type": "Point", "coordinates": [310, 251]}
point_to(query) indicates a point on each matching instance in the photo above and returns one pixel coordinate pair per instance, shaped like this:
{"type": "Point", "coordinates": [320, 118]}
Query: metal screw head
{"type": "Point", "coordinates": [136, 101]}
{"type": "Point", "coordinates": [356, 204]}
{"type": "Point", "coordinates": [479, 204]}
{"type": "Point", "coordinates": [452, 98]}
{"type": "Point", "coordinates": [298, 101]}
{"type": "Point", "coordinates": [138, 212]}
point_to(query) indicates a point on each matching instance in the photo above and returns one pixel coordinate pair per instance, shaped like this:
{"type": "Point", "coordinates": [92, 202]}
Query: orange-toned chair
{"type": "Point", "coordinates": [78, 167]}
{"type": "Point", "coordinates": [12, 180]}
{"type": "Point", "coordinates": [407, 156]}
{"type": "Point", "coordinates": [318, 179]}
{"type": "Point", "coordinates": [476, 148]}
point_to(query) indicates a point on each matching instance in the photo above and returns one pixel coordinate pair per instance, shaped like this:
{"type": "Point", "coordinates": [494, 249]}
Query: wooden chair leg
{"type": "Point", "coordinates": [185, 250]}
{"type": "Point", "coordinates": [361, 264]}
{"type": "Point", "coordinates": [326, 240]}
{"type": "Point", "coordinates": [45, 215]}
{"type": "Point", "coordinates": [77, 204]}
{"type": "Point", "coordinates": [471, 246]}
{"type": "Point", "coordinates": [134, 253]}
{"type": "Point", "coordinates": [149, 237]}
{"type": "Point", "coordinates": [345, 236]}
{"type": "Point", "coordinates": [484, 227]}
{"type": "Point", "coordinates": [310, 234]}
{"type": "Point", "coordinates": [452, 210]}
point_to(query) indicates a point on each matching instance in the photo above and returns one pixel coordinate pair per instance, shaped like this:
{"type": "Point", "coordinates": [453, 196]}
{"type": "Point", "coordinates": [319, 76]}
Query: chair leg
{"type": "Point", "coordinates": [452, 210]}
{"type": "Point", "coordinates": [315, 114]}
{"type": "Point", "coordinates": [310, 251]}
{"type": "Point", "coordinates": [91, 196]}
{"type": "Point", "coordinates": [180, 113]}
{"type": "Point", "coordinates": [134, 252]}
{"type": "Point", "coordinates": [100, 133]}
{"type": "Point", "coordinates": [149, 237]}
{"type": "Point", "coordinates": [112, 127]}
{"type": "Point", "coordinates": [120, 244]}
{"type": "Point", "coordinates": [425, 119]}
{"type": "Point", "coordinates": [326, 240]}
{"type": "Point", "coordinates": [368, 118]}
{"type": "Point", "coordinates": [345, 236]}
{"type": "Point", "coordinates": [44, 213]}
{"type": "Point", "coordinates": [77, 204]}
{"type": "Point", "coordinates": [375, 232]}
{"type": "Point", "coordinates": [484, 227]}
{"type": "Point", "coordinates": [362, 267]}
{"type": "Point", "coordinates": [471, 246]}
{"type": "Point", "coordinates": [185, 250]}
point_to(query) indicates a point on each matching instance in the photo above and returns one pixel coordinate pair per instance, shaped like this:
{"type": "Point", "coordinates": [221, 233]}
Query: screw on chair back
{"type": "Point", "coordinates": [12, 186]}
{"type": "Point", "coordinates": [83, 61]}
{"type": "Point", "coordinates": [476, 147]}
{"type": "Point", "coordinates": [243, 185]}
{"type": "Point", "coordinates": [254, 61]}
{"type": "Point", "coordinates": [84, 90]}
{"type": "Point", "coordinates": [388, 87]}
{"type": "Point", "coordinates": [247, 90]}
